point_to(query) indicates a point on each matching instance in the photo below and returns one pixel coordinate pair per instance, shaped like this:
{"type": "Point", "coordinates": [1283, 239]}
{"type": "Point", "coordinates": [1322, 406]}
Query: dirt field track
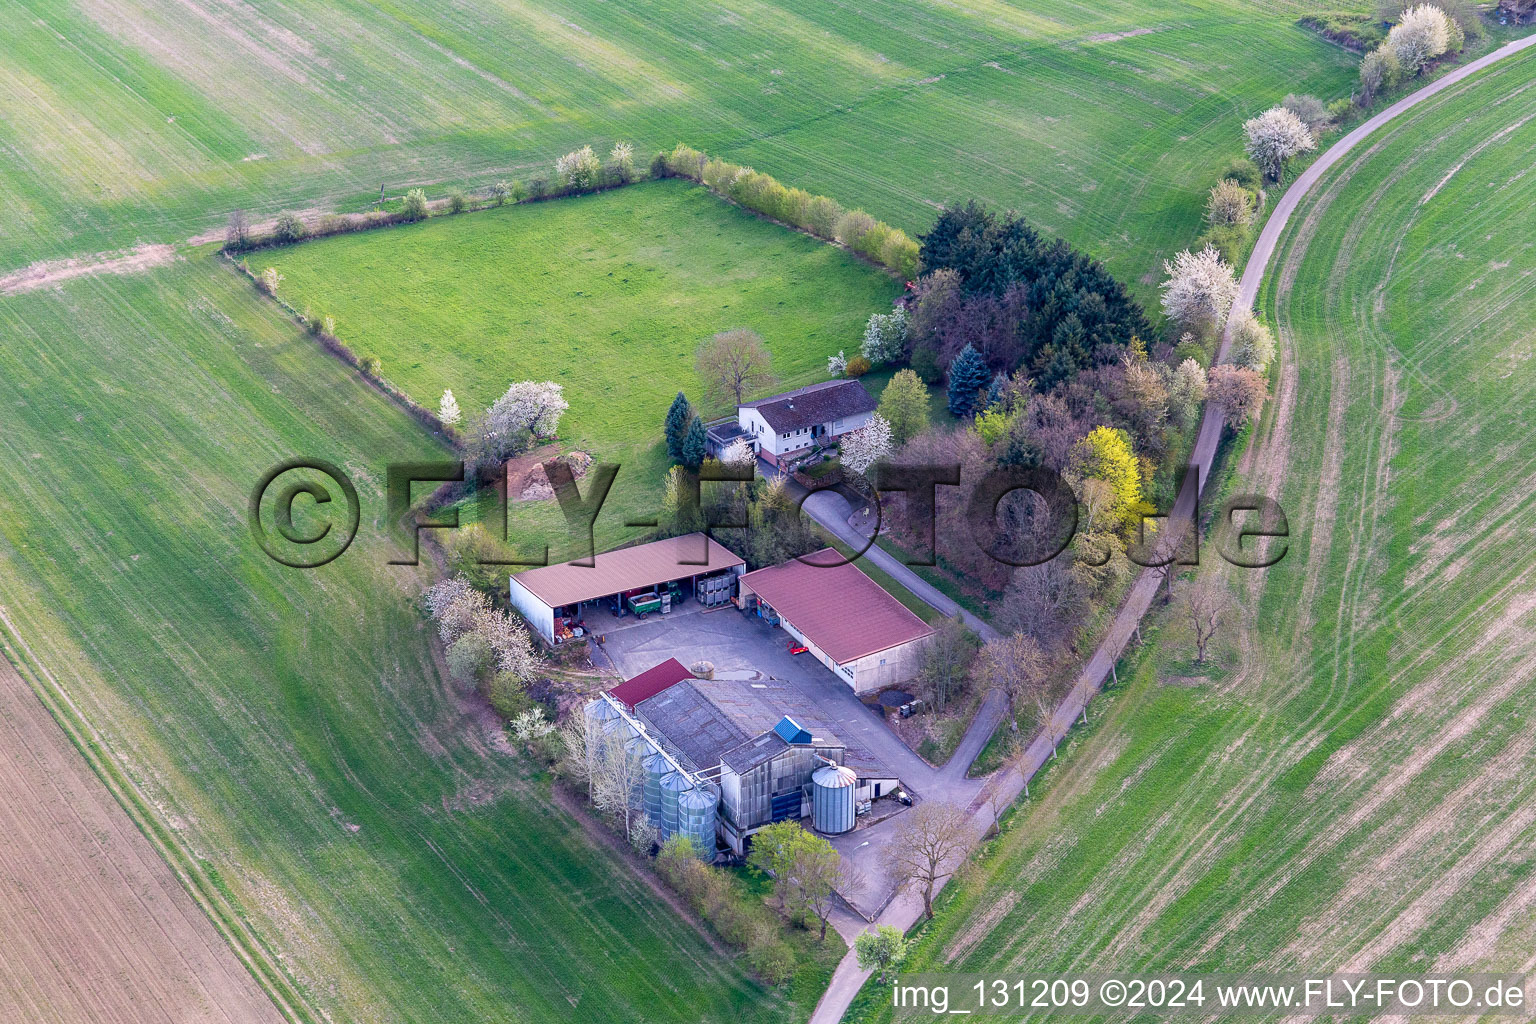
{"type": "Point", "coordinates": [97, 929]}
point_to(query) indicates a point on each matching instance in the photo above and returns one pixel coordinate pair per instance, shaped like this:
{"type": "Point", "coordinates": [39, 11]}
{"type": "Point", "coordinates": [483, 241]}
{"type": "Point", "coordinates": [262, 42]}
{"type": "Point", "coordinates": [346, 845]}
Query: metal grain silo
{"type": "Point", "coordinates": [832, 799]}
{"type": "Point", "coordinates": [673, 785]}
{"type": "Point", "coordinates": [655, 768]}
{"type": "Point", "coordinates": [696, 818]}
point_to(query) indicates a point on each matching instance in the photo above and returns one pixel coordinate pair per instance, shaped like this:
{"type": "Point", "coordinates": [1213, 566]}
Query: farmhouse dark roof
{"type": "Point", "coordinates": [838, 608]}
{"type": "Point", "coordinates": [650, 682]}
{"type": "Point", "coordinates": [819, 403]}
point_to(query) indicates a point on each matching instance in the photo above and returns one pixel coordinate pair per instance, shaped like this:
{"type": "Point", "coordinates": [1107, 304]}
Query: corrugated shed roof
{"type": "Point", "coordinates": [817, 403]}
{"type": "Point", "coordinates": [614, 572]}
{"type": "Point", "coordinates": [650, 682]}
{"type": "Point", "coordinates": [715, 721]}
{"type": "Point", "coordinates": [838, 608]}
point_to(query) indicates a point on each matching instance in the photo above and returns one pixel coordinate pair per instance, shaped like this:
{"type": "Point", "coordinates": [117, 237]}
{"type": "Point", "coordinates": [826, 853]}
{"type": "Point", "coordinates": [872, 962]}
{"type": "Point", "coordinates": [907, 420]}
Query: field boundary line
{"type": "Point", "coordinates": [227, 920]}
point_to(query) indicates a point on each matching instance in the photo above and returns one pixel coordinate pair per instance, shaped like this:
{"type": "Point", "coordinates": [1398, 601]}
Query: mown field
{"type": "Point", "coordinates": [608, 295]}
{"type": "Point", "coordinates": [147, 120]}
{"type": "Point", "coordinates": [1352, 791]}
{"type": "Point", "coordinates": [290, 728]}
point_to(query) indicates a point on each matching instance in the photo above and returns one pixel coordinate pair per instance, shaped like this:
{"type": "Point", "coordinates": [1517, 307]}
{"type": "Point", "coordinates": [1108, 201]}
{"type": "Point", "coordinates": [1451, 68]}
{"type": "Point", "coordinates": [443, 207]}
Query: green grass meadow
{"type": "Point", "coordinates": [608, 295]}
{"type": "Point", "coordinates": [1351, 789]}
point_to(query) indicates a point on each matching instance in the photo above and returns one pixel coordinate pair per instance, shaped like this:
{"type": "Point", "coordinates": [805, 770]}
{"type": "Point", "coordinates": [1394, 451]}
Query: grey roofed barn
{"type": "Point", "coordinates": [714, 721]}
{"type": "Point", "coordinates": [818, 403]}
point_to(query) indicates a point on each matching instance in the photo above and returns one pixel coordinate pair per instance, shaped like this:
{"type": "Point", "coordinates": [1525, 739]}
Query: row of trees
{"type": "Point", "coordinates": [1421, 36]}
{"type": "Point", "coordinates": [819, 215]}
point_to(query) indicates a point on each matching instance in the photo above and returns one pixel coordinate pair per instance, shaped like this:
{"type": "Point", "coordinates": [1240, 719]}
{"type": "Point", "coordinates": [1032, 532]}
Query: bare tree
{"type": "Point", "coordinates": [928, 842]}
{"type": "Point", "coordinates": [1017, 759]}
{"type": "Point", "coordinates": [734, 363]}
{"type": "Point", "coordinates": [617, 770]}
{"type": "Point", "coordinates": [824, 874]}
{"type": "Point", "coordinates": [1016, 665]}
{"type": "Point", "coordinates": [237, 233]}
{"type": "Point", "coordinates": [995, 802]}
{"type": "Point", "coordinates": [1204, 605]}
{"type": "Point", "coordinates": [579, 759]}
{"type": "Point", "coordinates": [947, 660]}
{"type": "Point", "coordinates": [1045, 707]}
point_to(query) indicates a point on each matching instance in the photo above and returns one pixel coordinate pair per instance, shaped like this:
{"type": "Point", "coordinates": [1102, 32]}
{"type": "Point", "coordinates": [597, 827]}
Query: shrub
{"type": "Point", "coordinates": [269, 280]}
{"type": "Point", "coordinates": [1246, 173]}
{"type": "Point", "coordinates": [621, 159]}
{"type": "Point", "coordinates": [457, 201]}
{"type": "Point", "coordinates": [797, 206]}
{"type": "Point", "coordinates": [770, 957]}
{"type": "Point", "coordinates": [851, 228]}
{"type": "Point", "coordinates": [371, 365]}
{"type": "Point", "coordinates": [415, 207]}
{"type": "Point", "coordinates": [1228, 203]}
{"type": "Point", "coordinates": [1339, 107]}
{"type": "Point", "coordinates": [1310, 110]}
{"type": "Point", "coordinates": [499, 192]}
{"type": "Point", "coordinates": [578, 169]}
{"type": "Point", "coordinates": [901, 254]}
{"type": "Point", "coordinates": [885, 337]}
{"type": "Point", "coordinates": [468, 657]}
{"type": "Point", "coordinates": [659, 168]}
{"type": "Point", "coordinates": [1229, 240]}
{"type": "Point", "coordinates": [858, 366]}
{"type": "Point", "coordinates": [507, 694]}
{"type": "Point", "coordinates": [686, 162]}
{"type": "Point", "coordinates": [1253, 346]}
{"type": "Point", "coordinates": [289, 228]}
{"type": "Point", "coordinates": [821, 217]}
{"type": "Point", "coordinates": [1379, 70]}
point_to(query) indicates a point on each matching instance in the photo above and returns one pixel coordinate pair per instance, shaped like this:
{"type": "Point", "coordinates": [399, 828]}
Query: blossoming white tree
{"type": "Point", "coordinates": [1200, 289]}
{"type": "Point", "coordinates": [622, 159]}
{"type": "Point", "coordinates": [738, 453]}
{"type": "Point", "coordinates": [1274, 137]}
{"type": "Point", "coordinates": [837, 365]}
{"type": "Point", "coordinates": [1423, 34]}
{"type": "Point", "coordinates": [448, 409]}
{"type": "Point", "coordinates": [1253, 346]}
{"type": "Point", "coordinates": [866, 446]}
{"type": "Point", "coordinates": [579, 168]}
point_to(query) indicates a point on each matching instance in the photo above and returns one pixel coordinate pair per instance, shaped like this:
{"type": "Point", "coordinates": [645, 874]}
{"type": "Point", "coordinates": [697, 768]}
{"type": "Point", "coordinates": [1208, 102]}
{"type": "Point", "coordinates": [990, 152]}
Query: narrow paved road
{"type": "Point", "coordinates": [831, 510]}
{"type": "Point", "coordinates": [904, 911]}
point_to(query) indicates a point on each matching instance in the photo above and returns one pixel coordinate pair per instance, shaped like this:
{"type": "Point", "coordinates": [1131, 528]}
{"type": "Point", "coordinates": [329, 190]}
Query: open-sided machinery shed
{"type": "Point", "coordinates": [549, 593]}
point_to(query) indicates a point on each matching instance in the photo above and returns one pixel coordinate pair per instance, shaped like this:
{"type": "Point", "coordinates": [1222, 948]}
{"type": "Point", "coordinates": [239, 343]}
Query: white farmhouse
{"type": "Point", "coordinates": [783, 426]}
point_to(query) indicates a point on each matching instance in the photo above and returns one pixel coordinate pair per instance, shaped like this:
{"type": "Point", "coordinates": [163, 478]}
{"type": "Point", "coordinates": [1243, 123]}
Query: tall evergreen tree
{"type": "Point", "coordinates": [968, 379]}
{"type": "Point", "coordinates": [678, 418]}
{"type": "Point", "coordinates": [695, 444]}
